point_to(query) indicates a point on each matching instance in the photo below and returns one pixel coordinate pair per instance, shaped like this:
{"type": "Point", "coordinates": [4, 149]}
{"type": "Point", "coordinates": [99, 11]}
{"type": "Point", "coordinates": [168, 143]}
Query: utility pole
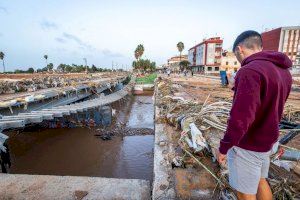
{"type": "Point", "coordinates": [86, 68]}
{"type": "Point", "coordinates": [112, 66]}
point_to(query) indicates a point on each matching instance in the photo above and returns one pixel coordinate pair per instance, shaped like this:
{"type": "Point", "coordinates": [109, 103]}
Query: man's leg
{"type": "Point", "coordinates": [242, 196]}
{"type": "Point", "coordinates": [264, 191]}
{"type": "Point", "coordinates": [244, 172]}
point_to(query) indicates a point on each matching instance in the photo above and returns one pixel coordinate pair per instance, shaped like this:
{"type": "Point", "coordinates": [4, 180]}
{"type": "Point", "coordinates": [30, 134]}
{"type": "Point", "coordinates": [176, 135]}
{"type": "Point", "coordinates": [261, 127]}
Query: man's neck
{"type": "Point", "coordinates": [251, 52]}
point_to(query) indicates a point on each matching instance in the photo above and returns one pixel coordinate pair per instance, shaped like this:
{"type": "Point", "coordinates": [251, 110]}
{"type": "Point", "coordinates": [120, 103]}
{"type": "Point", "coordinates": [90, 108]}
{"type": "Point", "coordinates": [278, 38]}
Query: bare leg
{"type": "Point", "coordinates": [242, 196]}
{"type": "Point", "coordinates": [264, 191]}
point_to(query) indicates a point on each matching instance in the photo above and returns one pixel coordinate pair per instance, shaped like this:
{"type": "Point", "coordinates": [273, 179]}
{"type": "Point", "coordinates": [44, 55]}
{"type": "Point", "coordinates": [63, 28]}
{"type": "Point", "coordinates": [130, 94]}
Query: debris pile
{"type": "Point", "coordinates": [292, 113]}
{"type": "Point", "coordinates": [108, 133]}
{"type": "Point", "coordinates": [42, 81]}
{"type": "Point", "coordinates": [202, 125]}
{"type": "Point", "coordinates": [44, 87]}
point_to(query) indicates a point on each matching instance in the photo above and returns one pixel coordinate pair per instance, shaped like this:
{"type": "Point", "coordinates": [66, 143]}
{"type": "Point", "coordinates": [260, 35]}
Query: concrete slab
{"type": "Point", "coordinates": [161, 181]}
{"type": "Point", "coordinates": [12, 124]}
{"type": "Point", "coordinates": [71, 187]}
{"type": "Point", "coordinates": [55, 114]}
{"type": "Point", "coordinates": [45, 116]}
{"type": "Point", "coordinates": [28, 119]}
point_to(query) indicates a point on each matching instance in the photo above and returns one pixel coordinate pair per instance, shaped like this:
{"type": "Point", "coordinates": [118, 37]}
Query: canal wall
{"type": "Point", "coordinates": [163, 186]}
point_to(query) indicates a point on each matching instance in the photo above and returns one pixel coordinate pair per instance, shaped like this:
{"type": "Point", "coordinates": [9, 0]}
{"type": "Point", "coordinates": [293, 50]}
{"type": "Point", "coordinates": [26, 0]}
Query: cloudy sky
{"type": "Point", "coordinates": [108, 31]}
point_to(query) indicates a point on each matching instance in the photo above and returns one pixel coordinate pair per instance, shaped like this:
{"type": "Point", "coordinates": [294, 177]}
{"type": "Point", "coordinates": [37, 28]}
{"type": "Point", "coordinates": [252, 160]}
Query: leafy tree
{"type": "Point", "coordinates": [50, 67]}
{"type": "Point", "coordinates": [30, 70]}
{"type": "Point", "coordinates": [144, 65]}
{"type": "Point", "coordinates": [184, 64]}
{"type": "Point", "coordinates": [68, 68]}
{"type": "Point", "coordinates": [18, 71]}
{"type": "Point", "coordinates": [73, 68]}
{"type": "Point", "coordinates": [2, 55]}
{"type": "Point", "coordinates": [61, 67]}
{"type": "Point", "coordinates": [94, 68]}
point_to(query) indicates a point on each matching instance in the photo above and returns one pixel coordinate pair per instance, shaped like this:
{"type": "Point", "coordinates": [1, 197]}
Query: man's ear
{"type": "Point", "coordinates": [240, 49]}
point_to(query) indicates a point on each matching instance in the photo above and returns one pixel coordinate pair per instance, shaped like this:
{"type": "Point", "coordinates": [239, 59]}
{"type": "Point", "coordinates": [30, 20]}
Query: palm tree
{"type": "Point", "coordinates": [136, 54]}
{"type": "Point", "coordinates": [46, 58]}
{"type": "Point", "coordinates": [141, 49]}
{"type": "Point", "coordinates": [180, 47]}
{"type": "Point", "coordinates": [2, 55]}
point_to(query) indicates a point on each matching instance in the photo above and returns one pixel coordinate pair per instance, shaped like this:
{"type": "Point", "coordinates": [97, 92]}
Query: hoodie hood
{"type": "Point", "coordinates": [277, 58]}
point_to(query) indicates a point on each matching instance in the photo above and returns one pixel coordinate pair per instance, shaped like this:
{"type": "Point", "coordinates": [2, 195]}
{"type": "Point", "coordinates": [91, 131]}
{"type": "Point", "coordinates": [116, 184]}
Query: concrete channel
{"type": "Point", "coordinates": [58, 185]}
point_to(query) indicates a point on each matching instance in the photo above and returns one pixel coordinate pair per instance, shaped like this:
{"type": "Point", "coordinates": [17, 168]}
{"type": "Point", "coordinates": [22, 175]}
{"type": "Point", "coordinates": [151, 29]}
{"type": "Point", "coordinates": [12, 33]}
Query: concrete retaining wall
{"type": "Point", "coordinates": [71, 187]}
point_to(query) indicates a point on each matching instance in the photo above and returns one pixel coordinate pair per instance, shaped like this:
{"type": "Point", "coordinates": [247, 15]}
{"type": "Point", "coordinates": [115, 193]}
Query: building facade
{"type": "Point", "coordinates": [174, 62]}
{"type": "Point", "coordinates": [229, 62]}
{"type": "Point", "coordinates": [285, 40]}
{"type": "Point", "coordinates": [205, 57]}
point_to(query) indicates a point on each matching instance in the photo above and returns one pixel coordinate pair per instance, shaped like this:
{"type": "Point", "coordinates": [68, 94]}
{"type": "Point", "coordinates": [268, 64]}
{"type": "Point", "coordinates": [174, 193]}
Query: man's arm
{"type": "Point", "coordinates": [245, 104]}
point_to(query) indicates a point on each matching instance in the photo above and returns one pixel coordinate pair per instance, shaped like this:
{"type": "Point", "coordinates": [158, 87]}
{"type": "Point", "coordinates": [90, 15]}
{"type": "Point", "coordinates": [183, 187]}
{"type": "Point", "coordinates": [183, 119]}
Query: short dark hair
{"type": "Point", "coordinates": [250, 39]}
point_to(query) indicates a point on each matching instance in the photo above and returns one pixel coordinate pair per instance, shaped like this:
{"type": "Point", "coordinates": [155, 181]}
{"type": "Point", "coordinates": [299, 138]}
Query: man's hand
{"type": "Point", "coordinates": [221, 158]}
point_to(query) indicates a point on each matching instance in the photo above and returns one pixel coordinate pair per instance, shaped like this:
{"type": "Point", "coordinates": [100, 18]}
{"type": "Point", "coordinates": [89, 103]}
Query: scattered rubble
{"type": "Point", "coordinates": [106, 133]}
{"type": "Point", "coordinates": [199, 110]}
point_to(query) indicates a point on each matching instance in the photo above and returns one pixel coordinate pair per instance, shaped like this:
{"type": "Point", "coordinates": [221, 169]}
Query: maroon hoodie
{"type": "Point", "coordinates": [262, 86]}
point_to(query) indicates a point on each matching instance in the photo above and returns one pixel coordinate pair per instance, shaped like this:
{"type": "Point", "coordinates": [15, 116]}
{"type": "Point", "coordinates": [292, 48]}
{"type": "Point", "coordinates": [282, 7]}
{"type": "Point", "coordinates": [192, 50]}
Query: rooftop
{"type": "Point", "coordinates": [209, 40]}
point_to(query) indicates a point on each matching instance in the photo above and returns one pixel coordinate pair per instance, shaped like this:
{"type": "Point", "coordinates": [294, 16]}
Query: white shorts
{"type": "Point", "coordinates": [246, 168]}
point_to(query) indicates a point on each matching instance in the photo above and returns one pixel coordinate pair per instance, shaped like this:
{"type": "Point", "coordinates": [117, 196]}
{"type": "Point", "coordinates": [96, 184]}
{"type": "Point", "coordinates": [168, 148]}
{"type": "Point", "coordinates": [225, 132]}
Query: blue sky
{"type": "Point", "coordinates": [106, 31]}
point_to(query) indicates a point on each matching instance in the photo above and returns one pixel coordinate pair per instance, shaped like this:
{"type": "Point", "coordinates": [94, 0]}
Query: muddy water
{"type": "Point", "coordinates": [142, 113]}
{"type": "Point", "coordinates": [78, 152]}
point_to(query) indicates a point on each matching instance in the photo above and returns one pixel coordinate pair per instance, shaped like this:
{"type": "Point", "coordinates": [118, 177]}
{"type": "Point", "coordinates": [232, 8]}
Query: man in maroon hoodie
{"type": "Point", "coordinates": [262, 86]}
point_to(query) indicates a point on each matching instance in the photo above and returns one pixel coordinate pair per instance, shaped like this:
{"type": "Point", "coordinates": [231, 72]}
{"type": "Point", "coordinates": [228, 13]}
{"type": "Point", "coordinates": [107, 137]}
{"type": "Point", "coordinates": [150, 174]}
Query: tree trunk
{"type": "Point", "coordinates": [180, 61]}
{"type": "Point", "coordinates": [47, 65]}
{"type": "Point", "coordinates": [3, 65]}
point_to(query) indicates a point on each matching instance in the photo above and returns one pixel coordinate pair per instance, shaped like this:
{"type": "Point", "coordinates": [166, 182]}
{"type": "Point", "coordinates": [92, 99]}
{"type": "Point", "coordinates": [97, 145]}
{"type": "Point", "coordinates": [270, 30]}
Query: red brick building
{"type": "Point", "coordinates": [284, 39]}
{"type": "Point", "coordinates": [205, 57]}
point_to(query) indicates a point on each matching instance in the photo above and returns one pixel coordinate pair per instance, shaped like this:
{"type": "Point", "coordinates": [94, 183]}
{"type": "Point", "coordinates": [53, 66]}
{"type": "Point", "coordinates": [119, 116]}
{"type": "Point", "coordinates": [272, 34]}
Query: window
{"type": "Point", "coordinates": [226, 69]}
{"type": "Point", "coordinates": [226, 62]}
{"type": "Point", "coordinates": [209, 68]}
{"type": "Point", "coordinates": [235, 69]}
{"type": "Point", "coordinates": [235, 62]}
{"type": "Point", "coordinates": [217, 69]}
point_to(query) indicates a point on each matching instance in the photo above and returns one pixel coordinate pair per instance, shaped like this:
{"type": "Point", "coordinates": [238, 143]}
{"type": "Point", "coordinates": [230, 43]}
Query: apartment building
{"type": "Point", "coordinates": [205, 57]}
{"type": "Point", "coordinates": [284, 39]}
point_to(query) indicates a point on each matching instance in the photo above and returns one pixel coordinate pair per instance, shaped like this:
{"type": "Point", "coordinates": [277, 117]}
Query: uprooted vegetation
{"type": "Point", "coordinates": [199, 112]}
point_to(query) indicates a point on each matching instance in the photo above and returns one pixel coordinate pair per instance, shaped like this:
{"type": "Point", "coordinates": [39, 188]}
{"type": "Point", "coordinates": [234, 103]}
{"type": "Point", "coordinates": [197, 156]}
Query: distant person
{"type": "Point", "coordinates": [261, 88]}
{"type": "Point", "coordinates": [168, 72]}
{"type": "Point", "coordinates": [184, 72]}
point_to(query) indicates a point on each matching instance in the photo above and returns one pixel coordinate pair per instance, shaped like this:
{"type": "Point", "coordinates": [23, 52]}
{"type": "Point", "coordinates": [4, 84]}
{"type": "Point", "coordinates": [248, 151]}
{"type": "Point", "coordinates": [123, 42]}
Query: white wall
{"type": "Point", "coordinates": [191, 56]}
{"type": "Point", "coordinates": [200, 55]}
{"type": "Point", "coordinates": [210, 59]}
